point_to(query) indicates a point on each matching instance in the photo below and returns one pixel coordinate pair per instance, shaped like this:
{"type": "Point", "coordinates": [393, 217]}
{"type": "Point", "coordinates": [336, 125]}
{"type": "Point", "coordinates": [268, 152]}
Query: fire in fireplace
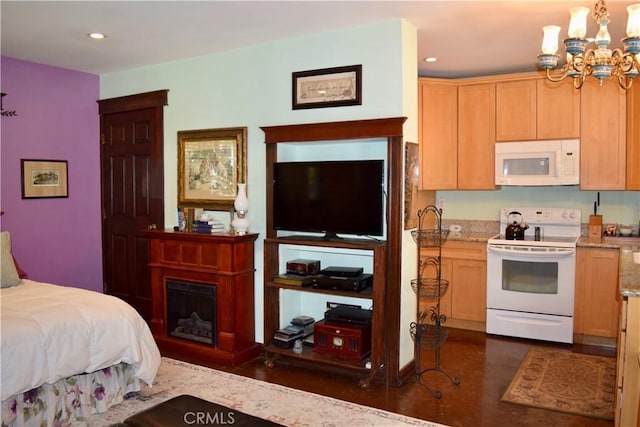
{"type": "Point", "coordinates": [191, 311]}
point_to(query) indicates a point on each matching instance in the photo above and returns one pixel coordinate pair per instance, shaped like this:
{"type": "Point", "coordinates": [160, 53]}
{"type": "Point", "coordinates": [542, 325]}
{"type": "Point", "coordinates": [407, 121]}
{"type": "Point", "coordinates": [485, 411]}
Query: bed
{"type": "Point", "coordinates": [66, 352]}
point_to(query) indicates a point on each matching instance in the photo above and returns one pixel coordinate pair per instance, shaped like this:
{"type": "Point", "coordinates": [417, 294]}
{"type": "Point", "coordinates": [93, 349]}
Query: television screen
{"type": "Point", "coordinates": [329, 197]}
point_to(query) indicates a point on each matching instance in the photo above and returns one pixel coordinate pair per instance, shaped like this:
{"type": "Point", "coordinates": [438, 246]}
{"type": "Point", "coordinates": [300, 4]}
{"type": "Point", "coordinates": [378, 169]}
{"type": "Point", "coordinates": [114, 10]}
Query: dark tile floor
{"type": "Point", "coordinates": [485, 365]}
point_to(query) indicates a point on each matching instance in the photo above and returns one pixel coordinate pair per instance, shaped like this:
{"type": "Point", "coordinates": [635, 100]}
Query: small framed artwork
{"type": "Point", "coordinates": [327, 87]}
{"type": "Point", "coordinates": [211, 164]}
{"type": "Point", "coordinates": [44, 178]}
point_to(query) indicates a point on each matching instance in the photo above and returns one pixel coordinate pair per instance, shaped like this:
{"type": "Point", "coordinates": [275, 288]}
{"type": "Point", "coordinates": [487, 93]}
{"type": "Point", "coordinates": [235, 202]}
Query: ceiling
{"type": "Point", "coordinates": [469, 38]}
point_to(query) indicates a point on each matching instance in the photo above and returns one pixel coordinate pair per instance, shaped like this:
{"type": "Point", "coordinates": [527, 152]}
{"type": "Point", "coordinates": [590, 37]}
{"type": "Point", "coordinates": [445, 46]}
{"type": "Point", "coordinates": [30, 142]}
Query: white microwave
{"type": "Point", "coordinates": [535, 163]}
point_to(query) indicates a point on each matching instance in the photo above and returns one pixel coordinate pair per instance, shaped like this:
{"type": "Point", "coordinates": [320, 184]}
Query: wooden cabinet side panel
{"type": "Point", "coordinates": [476, 136]}
{"type": "Point", "coordinates": [516, 110]}
{"type": "Point", "coordinates": [558, 110]}
{"type": "Point", "coordinates": [603, 137]}
{"type": "Point", "coordinates": [438, 140]}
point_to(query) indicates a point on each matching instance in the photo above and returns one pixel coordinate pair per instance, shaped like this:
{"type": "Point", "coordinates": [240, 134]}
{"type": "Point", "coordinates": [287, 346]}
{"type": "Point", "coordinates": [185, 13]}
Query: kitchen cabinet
{"type": "Point", "coordinates": [464, 265]}
{"type": "Point", "coordinates": [438, 134]}
{"type": "Point", "coordinates": [633, 137]}
{"type": "Point", "coordinates": [602, 136]}
{"type": "Point", "coordinates": [627, 404]}
{"type": "Point", "coordinates": [535, 108]}
{"type": "Point", "coordinates": [476, 136]}
{"type": "Point", "coordinates": [597, 302]}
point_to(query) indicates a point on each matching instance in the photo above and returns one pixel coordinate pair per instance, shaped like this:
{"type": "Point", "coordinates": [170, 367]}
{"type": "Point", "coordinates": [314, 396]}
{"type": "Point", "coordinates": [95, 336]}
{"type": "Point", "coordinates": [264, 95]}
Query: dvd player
{"type": "Point", "coordinates": [356, 283]}
{"type": "Point", "coordinates": [357, 316]}
{"type": "Point", "coordinates": [342, 271]}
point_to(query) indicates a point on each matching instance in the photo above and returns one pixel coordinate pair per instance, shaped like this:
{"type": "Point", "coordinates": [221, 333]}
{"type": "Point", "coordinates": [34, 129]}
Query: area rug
{"type": "Point", "coordinates": [272, 402]}
{"type": "Point", "coordinates": [566, 382]}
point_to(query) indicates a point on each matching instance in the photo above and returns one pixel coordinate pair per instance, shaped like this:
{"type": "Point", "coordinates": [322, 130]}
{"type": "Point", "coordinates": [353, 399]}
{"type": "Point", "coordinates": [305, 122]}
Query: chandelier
{"type": "Point", "coordinates": [600, 62]}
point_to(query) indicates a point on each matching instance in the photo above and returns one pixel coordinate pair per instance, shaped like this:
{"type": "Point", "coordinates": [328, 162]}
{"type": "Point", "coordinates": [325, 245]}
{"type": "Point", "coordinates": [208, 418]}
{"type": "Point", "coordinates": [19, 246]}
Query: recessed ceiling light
{"type": "Point", "coordinates": [430, 59]}
{"type": "Point", "coordinates": [97, 36]}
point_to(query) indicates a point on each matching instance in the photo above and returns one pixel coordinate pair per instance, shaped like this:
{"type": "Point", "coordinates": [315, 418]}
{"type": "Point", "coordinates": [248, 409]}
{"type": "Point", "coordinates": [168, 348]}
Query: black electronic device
{"type": "Point", "coordinates": [358, 316]}
{"type": "Point", "coordinates": [342, 271]}
{"type": "Point", "coordinates": [356, 284]}
{"type": "Point", "coordinates": [329, 197]}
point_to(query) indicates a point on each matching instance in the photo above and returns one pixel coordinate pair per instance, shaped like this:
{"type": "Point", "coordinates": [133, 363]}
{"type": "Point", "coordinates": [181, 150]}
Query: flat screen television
{"type": "Point", "coordinates": [330, 197]}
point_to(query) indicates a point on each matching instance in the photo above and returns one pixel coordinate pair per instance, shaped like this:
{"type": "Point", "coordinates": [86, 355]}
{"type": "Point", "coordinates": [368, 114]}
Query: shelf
{"type": "Point", "coordinates": [309, 355]}
{"type": "Point", "coordinates": [304, 240]}
{"type": "Point", "coordinates": [365, 293]}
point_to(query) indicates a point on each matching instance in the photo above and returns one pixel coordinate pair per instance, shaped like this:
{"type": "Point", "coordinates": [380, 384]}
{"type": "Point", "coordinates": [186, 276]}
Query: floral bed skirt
{"type": "Point", "coordinates": [70, 399]}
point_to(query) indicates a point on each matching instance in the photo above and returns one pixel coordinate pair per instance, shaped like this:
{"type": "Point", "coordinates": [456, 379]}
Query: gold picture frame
{"type": "Point", "coordinates": [44, 178]}
{"type": "Point", "coordinates": [211, 164]}
{"type": "Point", "coordinates": [327, 87]}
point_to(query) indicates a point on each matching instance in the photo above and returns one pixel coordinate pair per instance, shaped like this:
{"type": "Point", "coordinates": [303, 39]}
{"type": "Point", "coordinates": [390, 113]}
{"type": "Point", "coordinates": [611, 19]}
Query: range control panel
{"type": "Point", "coordinates": [543, 216]}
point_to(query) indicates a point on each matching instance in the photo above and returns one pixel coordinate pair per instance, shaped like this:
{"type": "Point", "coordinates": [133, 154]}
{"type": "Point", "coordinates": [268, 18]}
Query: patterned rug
{"type": "Point", "coordinates": [566, 382]}
{"type": "Point", "coordinates": [273, 402]}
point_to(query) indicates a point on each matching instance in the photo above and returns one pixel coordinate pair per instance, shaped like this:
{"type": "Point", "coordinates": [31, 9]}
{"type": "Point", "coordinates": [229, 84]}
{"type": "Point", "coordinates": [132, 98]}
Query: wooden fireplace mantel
{"type": "Point", "coordinates": [225, 261]}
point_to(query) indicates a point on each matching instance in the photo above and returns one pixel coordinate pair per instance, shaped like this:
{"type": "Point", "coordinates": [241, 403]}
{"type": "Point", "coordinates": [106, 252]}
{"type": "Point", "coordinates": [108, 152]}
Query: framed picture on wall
{"type": "Point", "coordinates": [211, 164]}
{"type": "Point", "coordinates": [44, 178]}
{"type": "Point", "coordinates": [411, 173]}
{"type": "Point", "coordinates": [327, 87]}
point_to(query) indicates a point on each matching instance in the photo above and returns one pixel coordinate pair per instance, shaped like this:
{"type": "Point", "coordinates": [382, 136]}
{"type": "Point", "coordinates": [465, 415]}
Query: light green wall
{"type": "Point", "coordinates": [622, 207]}
{"type": "Point", "coordinates": [252, 87]}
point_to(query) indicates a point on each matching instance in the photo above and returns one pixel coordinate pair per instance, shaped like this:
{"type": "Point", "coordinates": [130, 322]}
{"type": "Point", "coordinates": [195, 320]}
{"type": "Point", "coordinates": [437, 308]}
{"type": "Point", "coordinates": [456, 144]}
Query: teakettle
{"type": "Point", "coordinates": [515, 229]}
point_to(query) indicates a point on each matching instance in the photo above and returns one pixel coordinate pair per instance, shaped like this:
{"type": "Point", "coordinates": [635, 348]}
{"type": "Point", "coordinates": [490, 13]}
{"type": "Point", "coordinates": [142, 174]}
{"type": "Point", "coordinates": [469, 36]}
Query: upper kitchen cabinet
{"type": "Point", "coordinates": [535, 108]}
{"type": "Point", "coordinates": [602, 136]}
{"type": "Point", "coordinates": [633, 137]}
{"type": "Point", "coordinates": [476, 136]}
{"type": "Point", "coordinates": [438, 134]}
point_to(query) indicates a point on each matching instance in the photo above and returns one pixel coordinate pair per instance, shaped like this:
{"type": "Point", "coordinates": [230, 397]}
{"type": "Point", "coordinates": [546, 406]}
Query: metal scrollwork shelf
{"type": "Point", "coordinates": [427, 332]}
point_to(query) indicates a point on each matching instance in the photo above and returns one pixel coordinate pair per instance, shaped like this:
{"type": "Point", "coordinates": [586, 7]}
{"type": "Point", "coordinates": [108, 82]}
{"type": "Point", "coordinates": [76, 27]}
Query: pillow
{"type": "Point", "coordinates": [8, 273]}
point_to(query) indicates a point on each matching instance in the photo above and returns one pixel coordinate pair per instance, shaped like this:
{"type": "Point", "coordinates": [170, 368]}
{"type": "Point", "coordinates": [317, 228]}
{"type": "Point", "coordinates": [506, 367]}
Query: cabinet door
{"type": "Point", "coordinates": [633, 137]}
{"type": "Point", "coordinates": [476, 136]}
{"type": "Point", "coordinates": [516, 110]}
{"type": "Point", "coordinates": [558, 107]}
{"type": "Point", "coordinates": [597, 302]}
{"type": "Point", "coordinates": [603, 136]}
{"type": "Point", "coordinates": [438, 135]}
{"type": "Point", "coordinates": [469, 290]}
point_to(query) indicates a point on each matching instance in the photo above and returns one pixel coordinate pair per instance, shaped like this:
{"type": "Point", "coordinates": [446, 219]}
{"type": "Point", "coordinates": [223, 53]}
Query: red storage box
{"type": "Point", "coordinates": [347, 341]}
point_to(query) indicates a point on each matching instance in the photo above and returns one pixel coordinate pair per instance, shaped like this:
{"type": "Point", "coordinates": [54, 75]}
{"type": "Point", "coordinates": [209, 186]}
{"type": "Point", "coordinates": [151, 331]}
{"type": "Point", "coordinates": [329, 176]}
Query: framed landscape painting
{"type": "Point", "coordinates": [44, 178]}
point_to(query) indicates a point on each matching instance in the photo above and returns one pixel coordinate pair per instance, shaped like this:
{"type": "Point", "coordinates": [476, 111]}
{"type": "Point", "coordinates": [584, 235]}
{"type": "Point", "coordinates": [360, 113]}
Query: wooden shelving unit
{"type": "Point", "coordinates": [385, 295]}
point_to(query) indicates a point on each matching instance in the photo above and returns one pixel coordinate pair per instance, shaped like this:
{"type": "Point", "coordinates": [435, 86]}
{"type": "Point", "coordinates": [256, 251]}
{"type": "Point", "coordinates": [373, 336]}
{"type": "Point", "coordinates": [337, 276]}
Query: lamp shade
{"type": "Point", "coordinates": [578, 23]}
{"type": "Point", "coordinates": [550, 39]}
{"type": "Point", "coordinates": [633, 23]}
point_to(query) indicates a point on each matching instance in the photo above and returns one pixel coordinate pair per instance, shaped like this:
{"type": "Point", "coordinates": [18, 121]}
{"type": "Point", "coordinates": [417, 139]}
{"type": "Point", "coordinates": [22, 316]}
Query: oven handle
{"type": "Point", "coordinates": [558, 252]}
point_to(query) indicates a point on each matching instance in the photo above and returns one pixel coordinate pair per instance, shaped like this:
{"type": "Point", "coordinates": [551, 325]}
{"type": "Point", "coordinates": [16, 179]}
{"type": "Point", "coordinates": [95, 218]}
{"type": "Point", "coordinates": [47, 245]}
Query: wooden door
{"type": "Point", "coordinates": [131, 135]}
{"type": "Point", "coordinates": [597, 302]}
{"type": "Point", "coordinates": [438, 135]}
{"type": "Point", "coordinates": [516, 110]}
{"type": "Point", "coordinates": [476, 136]}
{"type": "Point", "coordinates": [603, 136]}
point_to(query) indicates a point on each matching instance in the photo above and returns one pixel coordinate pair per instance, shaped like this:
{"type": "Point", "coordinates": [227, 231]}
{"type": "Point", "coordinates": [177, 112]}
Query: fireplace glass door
{"type": "Point", "coordinates": [191, 311]}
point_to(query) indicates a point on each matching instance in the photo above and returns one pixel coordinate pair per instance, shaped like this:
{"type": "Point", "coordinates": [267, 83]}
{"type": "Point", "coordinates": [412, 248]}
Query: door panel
{"type": "Point", "coordinates": [132, 196]}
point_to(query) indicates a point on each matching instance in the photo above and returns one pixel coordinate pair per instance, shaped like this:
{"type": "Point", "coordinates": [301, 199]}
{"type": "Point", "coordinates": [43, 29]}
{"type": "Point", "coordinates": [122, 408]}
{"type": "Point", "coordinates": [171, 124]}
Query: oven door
{"type": "Point", "coordinates": [531, 279]}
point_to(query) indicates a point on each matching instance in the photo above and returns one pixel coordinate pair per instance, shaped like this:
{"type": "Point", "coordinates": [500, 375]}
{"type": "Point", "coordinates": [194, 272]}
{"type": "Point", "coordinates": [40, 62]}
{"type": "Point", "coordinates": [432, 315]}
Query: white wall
{"type": "Point", "coordinates": [252, 87]}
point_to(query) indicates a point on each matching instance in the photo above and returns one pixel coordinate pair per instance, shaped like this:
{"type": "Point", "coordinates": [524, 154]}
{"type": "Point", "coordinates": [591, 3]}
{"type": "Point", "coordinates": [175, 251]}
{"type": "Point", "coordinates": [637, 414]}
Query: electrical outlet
{"type": "Point", "coordinates": [440, 203]}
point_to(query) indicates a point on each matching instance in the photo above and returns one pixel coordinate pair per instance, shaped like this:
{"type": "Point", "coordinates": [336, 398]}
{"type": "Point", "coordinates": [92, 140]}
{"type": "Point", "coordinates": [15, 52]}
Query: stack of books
{"type": "Point", "coordinates": [300, 328]}
{"type": "Point", "coordinates": [207, 226]}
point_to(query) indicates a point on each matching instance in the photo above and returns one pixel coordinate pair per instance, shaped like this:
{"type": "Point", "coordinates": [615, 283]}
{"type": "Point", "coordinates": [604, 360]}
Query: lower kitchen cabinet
{"type": "Point", "coordinates": [597, 301]}
{"type": "Point", "coordinates": [464, 265]}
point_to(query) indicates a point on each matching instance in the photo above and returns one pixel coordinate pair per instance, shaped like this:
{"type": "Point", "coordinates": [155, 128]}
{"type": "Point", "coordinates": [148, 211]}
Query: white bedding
{"type": "Point", "coordinates": [51, 332]}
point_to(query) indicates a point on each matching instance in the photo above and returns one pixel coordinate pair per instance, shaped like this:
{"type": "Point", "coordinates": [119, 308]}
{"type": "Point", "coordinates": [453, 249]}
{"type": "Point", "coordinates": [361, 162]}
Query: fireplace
{"type": "Point", "coordinates": [191, 312]}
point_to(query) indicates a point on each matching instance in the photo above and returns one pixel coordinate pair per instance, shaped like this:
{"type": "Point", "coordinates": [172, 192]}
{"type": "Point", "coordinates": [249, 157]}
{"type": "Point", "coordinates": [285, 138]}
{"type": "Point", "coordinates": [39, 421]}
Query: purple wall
{"type": "Point", "coordinates": [54, 240]}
